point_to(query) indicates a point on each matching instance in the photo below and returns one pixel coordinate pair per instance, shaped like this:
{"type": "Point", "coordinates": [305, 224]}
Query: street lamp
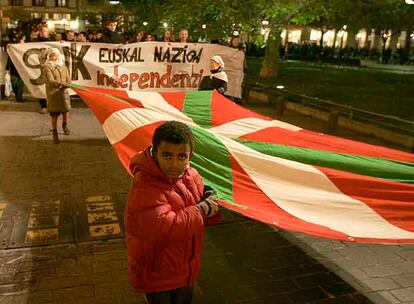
{"type": "Point", "coordinates": [145, 23]}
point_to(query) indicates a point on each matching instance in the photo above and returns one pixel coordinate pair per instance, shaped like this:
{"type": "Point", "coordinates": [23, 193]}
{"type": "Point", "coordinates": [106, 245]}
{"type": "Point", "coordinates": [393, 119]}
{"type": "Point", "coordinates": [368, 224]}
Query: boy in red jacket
{"type": "Point", "coordinates": [165, 216]}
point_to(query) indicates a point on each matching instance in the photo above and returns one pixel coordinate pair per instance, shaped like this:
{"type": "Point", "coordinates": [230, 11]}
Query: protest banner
{"type": "Point", "coordinates": [148, 66]}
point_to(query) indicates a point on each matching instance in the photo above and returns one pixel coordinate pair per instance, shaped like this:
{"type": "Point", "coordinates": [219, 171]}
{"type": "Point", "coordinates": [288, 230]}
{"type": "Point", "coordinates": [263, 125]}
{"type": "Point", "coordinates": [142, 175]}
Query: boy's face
{"type": "Point", "coordinates": [173, 159]}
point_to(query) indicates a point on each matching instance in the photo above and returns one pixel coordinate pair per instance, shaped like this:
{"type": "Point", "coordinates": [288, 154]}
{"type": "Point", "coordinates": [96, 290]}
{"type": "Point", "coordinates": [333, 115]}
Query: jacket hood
{"type": "Point", "coordinates": [144, 162]}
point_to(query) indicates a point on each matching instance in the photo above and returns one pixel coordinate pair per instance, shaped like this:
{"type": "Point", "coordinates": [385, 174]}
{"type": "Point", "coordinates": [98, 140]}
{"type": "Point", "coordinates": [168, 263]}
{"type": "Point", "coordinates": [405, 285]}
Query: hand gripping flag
{"type": "Point", "coordinates": [272, 171]}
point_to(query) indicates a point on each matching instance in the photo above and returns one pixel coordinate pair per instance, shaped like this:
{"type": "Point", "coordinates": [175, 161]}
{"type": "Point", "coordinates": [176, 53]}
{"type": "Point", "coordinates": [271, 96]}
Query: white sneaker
{"type": "Point", "coordinates": [43, 111]}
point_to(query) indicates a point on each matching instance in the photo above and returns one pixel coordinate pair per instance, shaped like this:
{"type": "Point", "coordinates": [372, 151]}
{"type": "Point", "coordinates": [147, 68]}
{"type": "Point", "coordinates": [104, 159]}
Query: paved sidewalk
{"type": "Point", "coordinates": [244, 261]}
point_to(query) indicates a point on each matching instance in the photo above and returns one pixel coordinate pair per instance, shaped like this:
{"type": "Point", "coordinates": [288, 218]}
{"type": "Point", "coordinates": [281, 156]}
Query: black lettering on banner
{"type": "Point", "coordinates": [118, 55]}
{"type": "Point", "coordinates": [77, 61]}
{"type": "Point", "coordinates": [185, 53]}
{"type": "Point", "coordinates": [197, 57]}
{"type": "Point", "coordinates": [26, 56]}
{"type": "Point", "coordinates": [157, 54]}
{"type": "Point", "coordinates": [66, 53]}
{"type": "Point", "coordinates": [125, 54]}
{"type": "Point", "coordinates": [178, 53]}
{"type": "Point", "coordinates": [166, 56]}
{"type": "Point", "coordinates": [102, 55]}
{"type": "Point", "coordinates": [190, 56]}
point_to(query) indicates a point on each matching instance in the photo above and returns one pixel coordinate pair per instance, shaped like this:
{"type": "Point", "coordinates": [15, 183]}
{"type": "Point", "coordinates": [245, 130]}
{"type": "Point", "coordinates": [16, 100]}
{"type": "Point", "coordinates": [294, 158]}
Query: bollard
{"type": "Point", "coordinates": [280, 105]}
{"type": "Point", "coordinates": [333, 120]}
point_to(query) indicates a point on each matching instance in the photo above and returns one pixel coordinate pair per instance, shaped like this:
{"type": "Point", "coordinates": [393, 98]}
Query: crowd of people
{"type": "Point", "coordinates": [56, 75]}
{"type": "Point", "coordinates": [108, 34]}
{"type": "Point", "coordinates": [41, 33]}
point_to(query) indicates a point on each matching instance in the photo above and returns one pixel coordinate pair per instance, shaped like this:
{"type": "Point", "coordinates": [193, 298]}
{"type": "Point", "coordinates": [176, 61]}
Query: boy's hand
{"type": "Point", "coordinates": [209, 206]}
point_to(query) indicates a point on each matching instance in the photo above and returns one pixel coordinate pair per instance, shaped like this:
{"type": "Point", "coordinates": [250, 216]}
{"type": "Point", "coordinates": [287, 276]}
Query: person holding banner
{"type": "Point", "coordinates": [183, 36]}
{"type": "Point", "coordinates": [16, 80]}
{"type": "Point", "coordinates": [218, 78]}
{"type": "Point", "coordinates": [43, 35]}
{"type": "Point", "coordinates": [57, 81]}
{"type": "Point", "coordinates": [168, 207]}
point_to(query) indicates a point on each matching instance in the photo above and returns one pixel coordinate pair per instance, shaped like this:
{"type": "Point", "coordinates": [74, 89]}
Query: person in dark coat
{"type": "Point", "coordinates": [110, 35]}
{"type": "Point", "coordinates": [16, 80]}
{"type": "Point", "coordinates": [218, 78]}
{"type": "Point", "coordinates": [43, 35]}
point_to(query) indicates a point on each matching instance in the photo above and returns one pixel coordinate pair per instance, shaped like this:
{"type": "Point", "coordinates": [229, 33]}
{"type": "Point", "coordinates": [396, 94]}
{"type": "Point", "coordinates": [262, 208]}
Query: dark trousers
{"type": "Point", "coordinates": [43, 103]}
{"type": "Point", "coordinates": [18, 87]}
{"type": "Point", "coordinates": [182, 295]}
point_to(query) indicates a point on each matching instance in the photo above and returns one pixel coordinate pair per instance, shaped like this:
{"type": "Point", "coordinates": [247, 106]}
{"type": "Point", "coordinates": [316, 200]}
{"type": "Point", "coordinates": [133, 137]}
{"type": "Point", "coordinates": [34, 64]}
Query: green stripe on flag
{"type": "Point", "coordinates": [197, 106]}
{"type": "Point", "coordinates": [212, 161]}
{"type": "Point", "coordinates": [369, 166]}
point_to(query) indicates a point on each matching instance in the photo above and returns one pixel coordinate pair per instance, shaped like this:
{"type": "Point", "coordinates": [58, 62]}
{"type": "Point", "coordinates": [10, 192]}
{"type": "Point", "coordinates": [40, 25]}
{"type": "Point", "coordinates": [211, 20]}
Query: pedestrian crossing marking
{"type": "Point", "coordinates": [2, 207]}
{"type": "Point", "coordinates": [102, 216]}
{"type": "Point", "coordinates": [43, 222]}
{"type": "Point", "coordinates": [109, 216]}
{"type": "Point", "coordinates": [98, 198]}
{"type": "Point", "coordinates": [42, 235]}
{"type": "Point", "coordinates": [104, 230]}
{"type": "Point", "coordinates": [97, 207]}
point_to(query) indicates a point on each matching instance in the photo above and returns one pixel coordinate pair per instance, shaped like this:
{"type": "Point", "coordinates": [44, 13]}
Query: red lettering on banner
{"type": "Point", "coordinates": [150, 80]}
{"type": "Point", "coordinates": [142, 80]}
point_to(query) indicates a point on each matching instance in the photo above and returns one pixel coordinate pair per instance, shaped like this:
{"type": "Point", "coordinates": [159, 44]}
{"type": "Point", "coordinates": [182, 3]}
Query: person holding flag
{"type": "Point", "coordinates": [57, 81]}
{"type": "Point", "coordinates": [168, 206]}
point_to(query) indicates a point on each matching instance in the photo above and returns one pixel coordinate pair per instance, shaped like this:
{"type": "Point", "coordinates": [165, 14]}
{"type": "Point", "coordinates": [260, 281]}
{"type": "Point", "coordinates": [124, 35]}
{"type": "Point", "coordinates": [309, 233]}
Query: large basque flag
{"type": "Point", "coordinates": [272, 171]}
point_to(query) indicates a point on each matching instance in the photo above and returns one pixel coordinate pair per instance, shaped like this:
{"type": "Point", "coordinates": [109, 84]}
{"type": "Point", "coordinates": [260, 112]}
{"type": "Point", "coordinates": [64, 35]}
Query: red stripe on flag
{"type": "Point", "coordinates": [136, 141]}
{"type": "Point", "coordinates": [393, 201]}
{"type": "Point", "coordinates": [317, 141]}
{"type": "Point", "coordinates": [176, 99]}
{"type": "Point", "coordinates": [262, 208]}
{"type": "Point", "coordinates": [102, 105]}
{"type": "Point", "coordinates": [119, 94]}
{"type": "Point", "coordinates": [224, 110]}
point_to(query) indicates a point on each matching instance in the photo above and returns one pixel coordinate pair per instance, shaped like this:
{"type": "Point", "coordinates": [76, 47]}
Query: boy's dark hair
{"type": "Point", "coordinates": [173, 132]}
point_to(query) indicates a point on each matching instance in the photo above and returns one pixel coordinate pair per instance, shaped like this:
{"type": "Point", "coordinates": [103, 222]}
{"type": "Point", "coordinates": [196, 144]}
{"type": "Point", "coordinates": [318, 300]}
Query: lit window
{"type": "Point", "coordinates": [38, 2]}
{"type": "Point", "coordinates": [61, 3]}
{"type": "Point", "coordinates": [16, 2]}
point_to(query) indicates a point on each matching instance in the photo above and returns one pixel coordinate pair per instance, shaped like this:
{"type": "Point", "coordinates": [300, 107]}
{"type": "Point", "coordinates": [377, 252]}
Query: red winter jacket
{"type": "Point", "coordinates": [164, 228]}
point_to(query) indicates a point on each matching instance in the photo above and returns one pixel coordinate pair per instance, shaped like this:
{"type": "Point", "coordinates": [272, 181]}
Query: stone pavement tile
{"type": "Point", "coordinates": [41, 297]}
{"type": "Point", "coordinates": [307, 295]}
{"type": "Point", "coordinates": [108, 299]}
{"type": "Point", "coordinates": [405, 280]}
{"type": "Point", "coordinates": [135, 299]}
{"type": "Point", "coordinates": [109, 288]}
{"type": "Point", "coordinates": [14, 298]}
{"type": "Point", "coordinates": [365, 256]}
{"type": "Point", "coordinates": [404, 294]}
{"type": "Point", "coordinates": [377, 284]}
{"type": "Point", "coordinates": [407, 254]}
{"type": "Point", "coordinates": [389, 270]}
{"type": "Point", "coordinates": [382, 297]}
